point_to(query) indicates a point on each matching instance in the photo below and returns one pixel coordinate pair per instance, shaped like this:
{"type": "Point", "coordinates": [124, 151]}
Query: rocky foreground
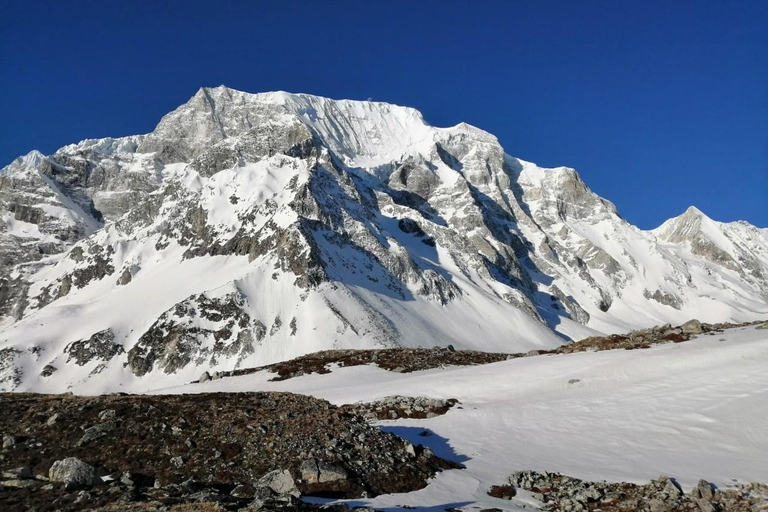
{"type": "Point", "coordinates": [566, 494]}
{"type": "Point", "coordinates": [238, 450]}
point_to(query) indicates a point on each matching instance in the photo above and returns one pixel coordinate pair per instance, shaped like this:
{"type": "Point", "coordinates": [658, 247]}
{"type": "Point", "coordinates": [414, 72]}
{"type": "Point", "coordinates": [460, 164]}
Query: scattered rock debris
{"type": "Point", "coordinates": [563, 493]}
{"type": "Point", "coordinates": [397, 407]}
{"type": "Point", "coordinates": [239, 450]}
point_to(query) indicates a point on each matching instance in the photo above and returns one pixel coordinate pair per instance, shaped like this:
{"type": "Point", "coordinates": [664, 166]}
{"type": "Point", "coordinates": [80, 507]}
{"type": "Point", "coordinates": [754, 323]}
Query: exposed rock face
{"type": "Point", "coordinates": [198, 328]}
{"type": "Point", "coordinates": [368, 228]}
{"type": "Point", "coordinates": [100, 346]}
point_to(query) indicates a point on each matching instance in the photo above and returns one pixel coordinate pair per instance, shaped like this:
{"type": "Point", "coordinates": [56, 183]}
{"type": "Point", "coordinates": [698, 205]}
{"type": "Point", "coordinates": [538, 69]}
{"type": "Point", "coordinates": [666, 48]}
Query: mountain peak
{"type": "Point", "coordinates": [29, 161]}
{"type": "Point", "coordinates": [692, 211]}
{"type": "Point", "coordinates": [251, 228]}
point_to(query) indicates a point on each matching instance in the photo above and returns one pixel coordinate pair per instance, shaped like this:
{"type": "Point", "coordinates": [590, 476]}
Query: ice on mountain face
{"type": "Point", "coordinates": [303, 223]}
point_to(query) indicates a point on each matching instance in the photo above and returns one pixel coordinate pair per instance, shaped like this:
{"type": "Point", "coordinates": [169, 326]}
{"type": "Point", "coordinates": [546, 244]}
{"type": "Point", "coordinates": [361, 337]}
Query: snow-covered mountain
{"type": "Point", "coordinates": [251, 228]}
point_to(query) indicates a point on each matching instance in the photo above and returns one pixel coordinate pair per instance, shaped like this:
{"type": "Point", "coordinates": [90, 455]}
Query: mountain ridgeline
{"type": "Point", "coordinates": [251, 228]}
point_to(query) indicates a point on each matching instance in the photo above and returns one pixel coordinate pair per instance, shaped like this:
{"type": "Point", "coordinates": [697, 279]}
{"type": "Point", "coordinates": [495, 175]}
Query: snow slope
{"type": "Point", "coordinates": [691, 410]}
{"type": "Point", "coordinates": [251, 228]}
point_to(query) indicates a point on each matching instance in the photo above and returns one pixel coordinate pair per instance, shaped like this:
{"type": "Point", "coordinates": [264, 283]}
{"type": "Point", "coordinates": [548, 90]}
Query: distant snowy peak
{"type": "Point", "coordinates": [251, 228]}
{"type": "Point", "coordinates": [25, 163]}
{"type": "Point", "coordinates": [734, 245]}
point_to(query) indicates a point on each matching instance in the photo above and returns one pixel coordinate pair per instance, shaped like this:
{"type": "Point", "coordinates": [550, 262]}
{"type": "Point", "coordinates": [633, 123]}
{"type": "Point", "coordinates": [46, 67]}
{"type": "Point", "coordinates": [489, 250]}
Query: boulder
{"type": "Point", "coordinates": [692, 327]}
{"type": "Point", "coordinates": [73, 472]}
{"type": "Point", "coordinates": [280, 482]}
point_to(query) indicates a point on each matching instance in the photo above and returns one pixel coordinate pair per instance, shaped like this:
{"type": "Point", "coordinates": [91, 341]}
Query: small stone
{"type": "Point", "coordinates": [177, 461]}
{"type": "Point", "coordinates": [205, 377]}
{"type": "Point", "coordinates": [107, 414]}
{"type": "Point", "coordinates": [22, 472]}
{"type": "Point", "coordinates": [48, 370]}
{"type": "Point", "coordinates": [17, 484]}
{"type": "Point", "coordinates": [52, 420]}
{"type": "Point", "coordinates": [9, 440]}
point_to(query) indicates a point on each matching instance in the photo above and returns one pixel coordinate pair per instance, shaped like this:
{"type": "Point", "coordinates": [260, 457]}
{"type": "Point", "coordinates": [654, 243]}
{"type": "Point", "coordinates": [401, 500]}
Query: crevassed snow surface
{"type": "Point", "coordinates": [692, 410]}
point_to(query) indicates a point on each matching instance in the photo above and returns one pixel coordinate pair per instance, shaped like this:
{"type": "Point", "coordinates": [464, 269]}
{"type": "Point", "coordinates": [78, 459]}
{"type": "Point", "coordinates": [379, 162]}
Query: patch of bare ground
{"type": "Point", "coordinates": [182, 449]}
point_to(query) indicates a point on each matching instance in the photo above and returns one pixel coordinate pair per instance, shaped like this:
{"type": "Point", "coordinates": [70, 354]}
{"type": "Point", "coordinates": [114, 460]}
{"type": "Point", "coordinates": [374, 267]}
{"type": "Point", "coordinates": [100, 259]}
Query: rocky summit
{"type": "Point", "coordinates": [249, 229]}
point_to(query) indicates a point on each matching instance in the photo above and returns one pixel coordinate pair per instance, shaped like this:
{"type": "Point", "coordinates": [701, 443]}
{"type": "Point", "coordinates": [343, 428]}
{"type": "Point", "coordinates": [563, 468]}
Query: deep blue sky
{"type": "Point", "coordinates": [659, 105]}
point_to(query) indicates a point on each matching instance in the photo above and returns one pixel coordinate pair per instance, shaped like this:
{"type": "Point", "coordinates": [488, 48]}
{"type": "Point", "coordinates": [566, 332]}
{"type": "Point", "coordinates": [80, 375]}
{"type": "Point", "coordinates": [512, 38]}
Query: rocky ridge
{"type": "Point", "coordinates": [404, 360]}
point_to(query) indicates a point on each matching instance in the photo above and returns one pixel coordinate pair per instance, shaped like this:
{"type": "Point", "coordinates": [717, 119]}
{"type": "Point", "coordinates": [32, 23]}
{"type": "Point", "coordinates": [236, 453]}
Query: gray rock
{"type": "Point", "coordinates": [16, 483]}
{"type": "Point", "coordinates": [704, 505]}
{"type": "Point", "coordinates": [48, 370]}
{"type": "Point", "coordinates": [692, 327]}
{"type": "Point", "coordinates": [177, 461]}
{"type": "Point", "coordinates": [280, 482]}
{"type": "Point", "coordinates": [704, 490]}
{"type": "Point", "coordinates": [9, 440]}
{"type": "Point", "coordinates": [330, 473]}
{"type": "Point", "coordinates": [205, 377]}
{"type": "Point", "coordinates": [52, 420]}
{"type": "Point", "coordinates": [73, 472]}
{"type": "Point", "coordinates": [96, 432]}
{"type": "Point", "coordinates": [107, 414]}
